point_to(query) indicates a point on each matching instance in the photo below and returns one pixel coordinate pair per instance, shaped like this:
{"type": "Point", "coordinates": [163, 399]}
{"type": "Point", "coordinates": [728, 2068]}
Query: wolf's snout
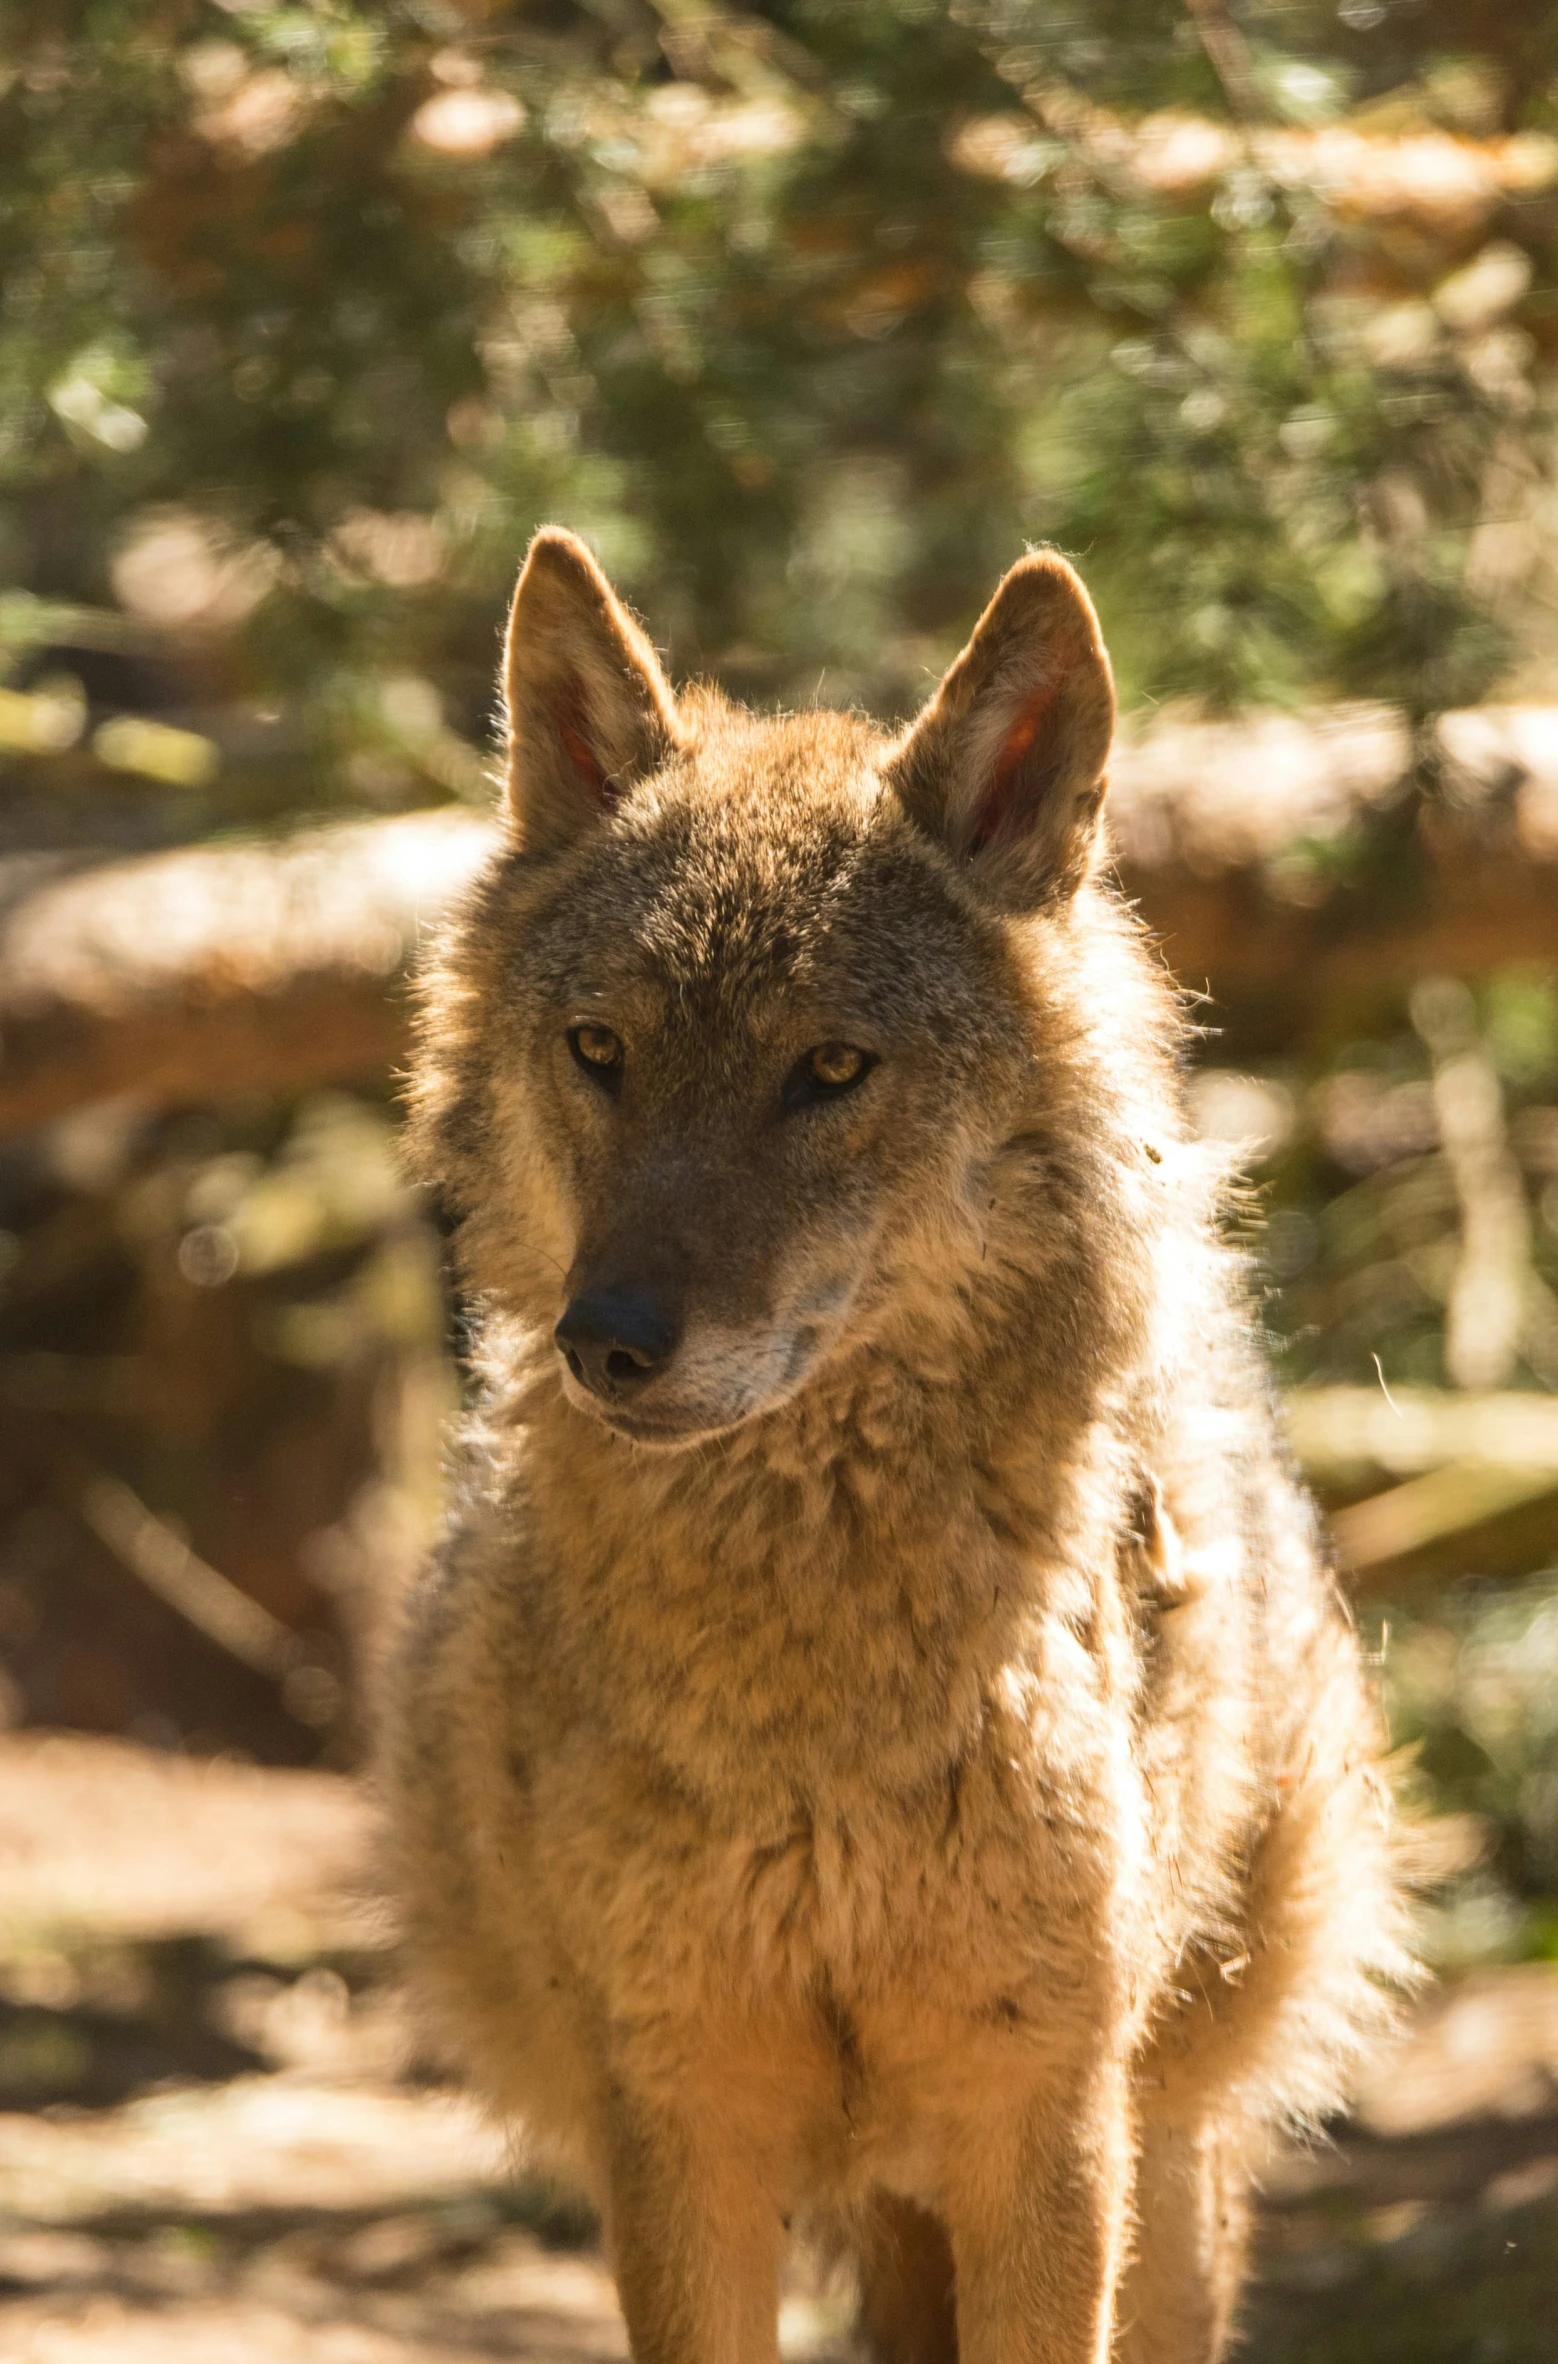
{"type": "Point", "coordinates": [614, 1340]}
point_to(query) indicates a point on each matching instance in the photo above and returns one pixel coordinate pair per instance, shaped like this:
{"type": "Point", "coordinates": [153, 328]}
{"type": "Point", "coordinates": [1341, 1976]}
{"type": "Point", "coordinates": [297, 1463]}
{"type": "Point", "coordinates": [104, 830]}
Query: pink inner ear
{"type": "Point", "coordinates": [570, 717]}
{"type": "Point", "coordinates": [997, 808]}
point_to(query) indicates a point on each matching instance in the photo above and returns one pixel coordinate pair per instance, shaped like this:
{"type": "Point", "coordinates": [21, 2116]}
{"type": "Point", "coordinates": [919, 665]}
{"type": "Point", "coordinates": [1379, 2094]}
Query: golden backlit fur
{"type": "Point", "coordinates": [896, 1762]}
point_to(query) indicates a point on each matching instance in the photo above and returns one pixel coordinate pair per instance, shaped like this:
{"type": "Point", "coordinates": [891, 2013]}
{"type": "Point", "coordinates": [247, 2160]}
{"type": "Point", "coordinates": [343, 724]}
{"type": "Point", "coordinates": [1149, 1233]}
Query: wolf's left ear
{"type": "Point", "coordinates": [1006, 764]}
{"type": "Point", "coordinates": [589, 709]}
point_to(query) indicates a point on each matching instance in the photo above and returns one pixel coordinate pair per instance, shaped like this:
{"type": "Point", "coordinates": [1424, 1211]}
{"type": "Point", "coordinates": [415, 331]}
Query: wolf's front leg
{"type": "Point", "coordinates": [695, 2242]}
{"type": "Point", "coordinates": [1193, 2227]}
{"type": "Point", "coordinates": [1039, 2227]}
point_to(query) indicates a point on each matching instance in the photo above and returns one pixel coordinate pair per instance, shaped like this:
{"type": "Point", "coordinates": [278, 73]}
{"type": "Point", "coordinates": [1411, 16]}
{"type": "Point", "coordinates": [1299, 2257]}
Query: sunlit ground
{"type": "Point", "coordinates": [216, 2140]}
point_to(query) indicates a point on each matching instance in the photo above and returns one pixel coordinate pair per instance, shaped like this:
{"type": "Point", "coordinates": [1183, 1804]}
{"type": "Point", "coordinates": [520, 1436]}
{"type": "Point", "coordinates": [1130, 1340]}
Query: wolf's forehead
{"type": "Point", "coordinates": [750, 889]}
{"type": "Point", "coordinates": [738, 903]}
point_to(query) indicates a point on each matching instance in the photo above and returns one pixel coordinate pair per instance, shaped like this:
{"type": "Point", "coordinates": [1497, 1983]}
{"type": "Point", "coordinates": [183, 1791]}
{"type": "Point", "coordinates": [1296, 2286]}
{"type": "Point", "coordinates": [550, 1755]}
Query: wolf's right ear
{"type": "Point", "coordinates": [1005, 766]}
{"type": "Point", "coordinates": [589, 710]}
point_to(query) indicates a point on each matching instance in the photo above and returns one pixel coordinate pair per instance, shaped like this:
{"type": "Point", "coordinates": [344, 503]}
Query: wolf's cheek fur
{"type": "Point", "coordinates": [526, 1231]}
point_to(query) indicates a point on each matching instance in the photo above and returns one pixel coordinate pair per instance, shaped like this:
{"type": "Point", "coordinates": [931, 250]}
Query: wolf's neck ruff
{"type": "Point", "coordinates": [706, 1600]}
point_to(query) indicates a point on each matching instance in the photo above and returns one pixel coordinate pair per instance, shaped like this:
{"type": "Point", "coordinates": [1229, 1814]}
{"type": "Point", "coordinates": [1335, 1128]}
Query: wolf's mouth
{"type": "Point", "coordinates": [664, 1434]}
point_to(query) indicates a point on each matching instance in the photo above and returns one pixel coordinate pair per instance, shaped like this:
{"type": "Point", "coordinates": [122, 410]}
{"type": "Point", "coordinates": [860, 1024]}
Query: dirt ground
{"type": "Point", "coordinates": [218, 2147]}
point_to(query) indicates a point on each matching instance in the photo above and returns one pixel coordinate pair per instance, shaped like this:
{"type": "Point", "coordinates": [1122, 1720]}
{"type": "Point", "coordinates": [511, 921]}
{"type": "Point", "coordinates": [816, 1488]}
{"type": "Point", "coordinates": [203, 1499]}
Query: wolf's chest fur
{"type": "Point", "coordinates": [844, 1722]}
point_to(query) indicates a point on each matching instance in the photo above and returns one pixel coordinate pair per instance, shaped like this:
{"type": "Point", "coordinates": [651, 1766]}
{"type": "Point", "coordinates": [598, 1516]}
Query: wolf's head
{"type": "Point", "coordinates": [759, 1030]}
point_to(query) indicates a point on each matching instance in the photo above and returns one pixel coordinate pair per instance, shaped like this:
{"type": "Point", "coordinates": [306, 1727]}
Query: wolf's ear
{"type": "Point", "coordinates": [589, 710]}
{"type": "Point", "coordinates": [1005, 765]}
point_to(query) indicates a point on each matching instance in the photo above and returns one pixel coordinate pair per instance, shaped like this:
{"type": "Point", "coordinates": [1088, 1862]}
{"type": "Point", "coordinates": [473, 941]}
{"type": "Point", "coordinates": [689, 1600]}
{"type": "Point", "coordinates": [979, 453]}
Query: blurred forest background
{"type": "Point", "coordinates": [809, 316]}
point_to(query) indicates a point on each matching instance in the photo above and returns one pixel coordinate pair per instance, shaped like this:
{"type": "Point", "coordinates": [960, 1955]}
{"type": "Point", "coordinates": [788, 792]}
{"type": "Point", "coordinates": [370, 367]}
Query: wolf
{"type": "Point", "coordinates": [880, 1750]}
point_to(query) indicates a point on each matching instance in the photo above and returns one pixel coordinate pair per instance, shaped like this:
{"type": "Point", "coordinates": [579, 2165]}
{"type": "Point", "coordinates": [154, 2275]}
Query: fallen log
{"type": "Point", "coordinates": [1341, 1435]}
{"type": "Point", "coordinates": [217, 972]}
{"type": "Point", "coordinates": [1455, 1464]}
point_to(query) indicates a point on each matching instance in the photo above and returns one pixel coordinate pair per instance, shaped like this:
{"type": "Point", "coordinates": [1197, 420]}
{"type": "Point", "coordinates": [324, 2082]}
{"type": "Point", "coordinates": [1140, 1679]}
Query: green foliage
{"type": "Point", "coordinates": [1471, 1690]}
{"type": "Point", "coordinates": [1363, 1231]}
{"type": "Point", "coordinates": [809, 317]}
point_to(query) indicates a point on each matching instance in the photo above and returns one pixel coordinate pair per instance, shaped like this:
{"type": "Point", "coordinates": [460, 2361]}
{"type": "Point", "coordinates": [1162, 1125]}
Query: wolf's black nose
{"type": "Point", "coordinates": [613, 1340]}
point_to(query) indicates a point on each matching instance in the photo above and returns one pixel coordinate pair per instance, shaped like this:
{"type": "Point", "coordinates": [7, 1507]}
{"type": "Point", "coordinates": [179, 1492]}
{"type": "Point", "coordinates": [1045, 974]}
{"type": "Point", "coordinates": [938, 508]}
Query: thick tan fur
{"type": "Point", "coordinates": [905, 1768]}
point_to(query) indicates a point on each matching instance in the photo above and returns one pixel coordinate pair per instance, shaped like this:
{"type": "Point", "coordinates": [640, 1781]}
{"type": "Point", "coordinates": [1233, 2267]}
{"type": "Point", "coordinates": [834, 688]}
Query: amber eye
{"type": "Point", "coordinates": [834, 1064]}
{"type": "Point", "coordinates": [599, 1052]}
{"type": "Point", "coordinates": [832, 1068]}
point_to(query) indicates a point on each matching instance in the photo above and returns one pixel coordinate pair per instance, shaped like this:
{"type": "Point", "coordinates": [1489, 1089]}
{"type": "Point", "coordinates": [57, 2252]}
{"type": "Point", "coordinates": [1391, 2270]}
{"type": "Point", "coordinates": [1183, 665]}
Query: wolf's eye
{"type": "Point", "coordinates": [835, 1064]}
{"type": "Point", "coordinates": [599, 1052]}
{"type": "Point", "coordinates": [832, 1068]}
